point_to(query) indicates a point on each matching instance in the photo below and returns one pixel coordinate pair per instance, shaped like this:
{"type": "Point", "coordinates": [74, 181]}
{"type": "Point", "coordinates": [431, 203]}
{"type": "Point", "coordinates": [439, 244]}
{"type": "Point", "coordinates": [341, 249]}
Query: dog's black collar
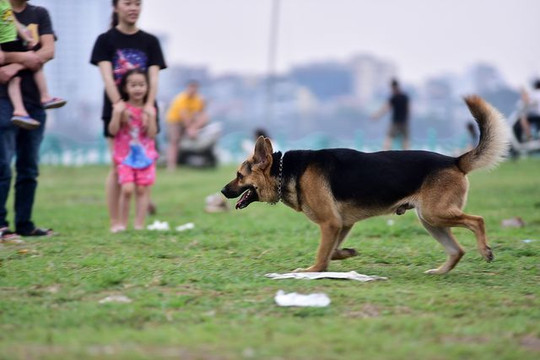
{"type": "Point", "coordinates": [280, 180]}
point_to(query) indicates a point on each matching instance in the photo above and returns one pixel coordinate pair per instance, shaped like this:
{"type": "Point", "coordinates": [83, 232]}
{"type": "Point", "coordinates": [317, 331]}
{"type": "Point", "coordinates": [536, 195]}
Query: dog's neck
{"type": "Point", "coordinates": [277, 171]}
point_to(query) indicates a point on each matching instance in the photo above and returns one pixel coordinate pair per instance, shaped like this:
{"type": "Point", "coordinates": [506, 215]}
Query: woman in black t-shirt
{"type": "Point", "coordinates": [123, 47]}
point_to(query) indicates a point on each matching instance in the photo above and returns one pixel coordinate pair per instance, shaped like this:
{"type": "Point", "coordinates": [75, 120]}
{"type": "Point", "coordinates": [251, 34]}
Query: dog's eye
{"type": "Point", "coordinates": [239, 176]}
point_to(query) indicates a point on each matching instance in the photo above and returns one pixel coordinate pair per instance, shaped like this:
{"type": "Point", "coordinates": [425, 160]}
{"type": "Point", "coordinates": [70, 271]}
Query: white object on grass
{"type": "Point", "coordinates": [158, 225]}
{"type": "Point", "coordinates": [185, 227]}
{"type": "Point", "coordinates": [351, 275]}
{"type": "Point", "coordinates": [295, 299]}
{"type": "Point", "coordinates": [116, 299]}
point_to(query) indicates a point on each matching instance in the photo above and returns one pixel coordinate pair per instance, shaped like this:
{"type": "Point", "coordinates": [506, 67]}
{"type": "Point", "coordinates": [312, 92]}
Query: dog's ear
{"type": "Point", "coordinates": [269, 147]}
{"type": "Point", "coordinates": [262, 157]}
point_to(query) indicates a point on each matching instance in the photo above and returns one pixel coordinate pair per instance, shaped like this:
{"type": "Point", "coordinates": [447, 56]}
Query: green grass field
{"type": "Point", "coordinates": [202, 294]}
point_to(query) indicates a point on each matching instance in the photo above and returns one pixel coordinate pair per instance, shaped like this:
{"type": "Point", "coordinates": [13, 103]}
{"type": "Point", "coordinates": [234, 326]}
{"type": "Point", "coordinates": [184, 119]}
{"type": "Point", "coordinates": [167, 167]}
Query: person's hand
{"type": "Point", "coordinates": [7, 72]}
{"type": "Point", "coordinates": [2, 57]}
{"type": "Point", "coordinates": [118, 108]}
{"type": "Point", "coordinates": [31, 61]}
{"type": "Point", "coordinates": [31, 43]}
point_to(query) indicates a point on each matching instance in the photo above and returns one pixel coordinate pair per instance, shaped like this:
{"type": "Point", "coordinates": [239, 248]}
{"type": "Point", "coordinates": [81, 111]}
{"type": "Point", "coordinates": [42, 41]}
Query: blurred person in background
{"type": "Point", "coordinates": [122, 48]}
{"type": "Point", "coordinates": [530, 113]}
{"type": "Point", "coordinates": [186, 117]}
{"type": "Point", "coordinates": [398, 104]}
{"type": "Point", "coordinates": [17, 141]}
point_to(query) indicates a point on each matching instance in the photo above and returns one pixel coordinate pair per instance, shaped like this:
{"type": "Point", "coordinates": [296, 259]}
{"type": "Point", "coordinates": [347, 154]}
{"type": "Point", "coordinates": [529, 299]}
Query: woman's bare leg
{"type": "Point", "coordinates": [112, 192]}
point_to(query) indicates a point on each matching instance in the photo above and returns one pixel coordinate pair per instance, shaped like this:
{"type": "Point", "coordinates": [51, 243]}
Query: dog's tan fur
{"type": "Point", "coordinates": [439, 201]}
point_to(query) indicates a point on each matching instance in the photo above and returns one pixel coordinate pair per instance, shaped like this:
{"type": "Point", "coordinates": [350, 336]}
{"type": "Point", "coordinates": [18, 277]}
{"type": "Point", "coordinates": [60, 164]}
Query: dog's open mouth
{"type": "Point", "coordinates": [249, 196]}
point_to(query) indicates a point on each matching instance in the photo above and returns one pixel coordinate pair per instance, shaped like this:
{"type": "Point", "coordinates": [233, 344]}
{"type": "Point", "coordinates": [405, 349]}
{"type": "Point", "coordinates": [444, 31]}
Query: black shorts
{"type": "Point", "coordinates": [399, 129]}
{"type": "Point", "coordinates": [13, 46]}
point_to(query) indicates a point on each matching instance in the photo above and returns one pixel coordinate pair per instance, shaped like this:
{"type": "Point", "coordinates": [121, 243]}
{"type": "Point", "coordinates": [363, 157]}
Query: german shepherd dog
{"type": "Point", "coordinates": [335, 188]}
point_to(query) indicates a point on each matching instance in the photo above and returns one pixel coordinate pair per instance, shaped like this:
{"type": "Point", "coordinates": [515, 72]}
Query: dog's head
{"type": "Point", "coordinates": [253, 179]}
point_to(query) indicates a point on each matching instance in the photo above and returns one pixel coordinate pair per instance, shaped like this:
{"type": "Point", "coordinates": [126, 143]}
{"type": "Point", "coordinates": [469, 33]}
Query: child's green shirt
{"type": "Point", "coordinates": [8, 30]}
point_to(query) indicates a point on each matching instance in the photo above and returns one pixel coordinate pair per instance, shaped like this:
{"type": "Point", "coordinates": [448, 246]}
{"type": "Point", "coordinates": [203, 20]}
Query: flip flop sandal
{"type": "Point", "coordinates": [54, 103]}
{"type": "Point", "coordinates": [40, 232]}
{"type": "Point", "coordinates": [25, 122]}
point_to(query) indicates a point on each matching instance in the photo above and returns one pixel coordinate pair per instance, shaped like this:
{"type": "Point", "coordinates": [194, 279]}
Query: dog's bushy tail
{"type": "Point", "coordinates": [494, 137]}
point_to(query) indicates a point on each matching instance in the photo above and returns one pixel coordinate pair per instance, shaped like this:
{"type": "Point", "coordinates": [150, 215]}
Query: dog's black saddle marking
{"type": "Point", "coordinates": [369, 179]}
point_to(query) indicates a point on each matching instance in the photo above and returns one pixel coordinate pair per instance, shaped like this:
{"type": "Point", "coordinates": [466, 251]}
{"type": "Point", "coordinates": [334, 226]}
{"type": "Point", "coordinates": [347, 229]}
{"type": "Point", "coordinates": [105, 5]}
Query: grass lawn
{"type": "Point", "coordinates": [202, 294]}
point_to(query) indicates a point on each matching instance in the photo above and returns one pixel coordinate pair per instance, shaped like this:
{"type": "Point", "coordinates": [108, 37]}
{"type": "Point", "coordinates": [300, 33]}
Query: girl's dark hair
{"type": "Point", "coordinates": [114, 17]}
{"type": "Point", "coordinates": [123, 82]}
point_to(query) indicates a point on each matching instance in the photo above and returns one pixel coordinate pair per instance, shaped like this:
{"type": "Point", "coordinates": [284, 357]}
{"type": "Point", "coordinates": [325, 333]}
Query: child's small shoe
{"type": "Point", "coordinates": [53, 103]}
{"type": "Point", "coordinates": [25, 122]}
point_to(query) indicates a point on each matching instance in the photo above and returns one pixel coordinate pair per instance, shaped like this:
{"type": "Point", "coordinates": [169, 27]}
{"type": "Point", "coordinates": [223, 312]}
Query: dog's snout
{"type": "Point", "coordinates": [226, 191]}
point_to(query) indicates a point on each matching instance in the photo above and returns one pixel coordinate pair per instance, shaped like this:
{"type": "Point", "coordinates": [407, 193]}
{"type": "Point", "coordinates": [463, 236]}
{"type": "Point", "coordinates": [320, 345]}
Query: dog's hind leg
{"type": "Point", "coordinates": [454, 251]}
{"type": "Point", "coordinates": [345, 253]}
{"type": "Point", "coordinates": [476, 225]}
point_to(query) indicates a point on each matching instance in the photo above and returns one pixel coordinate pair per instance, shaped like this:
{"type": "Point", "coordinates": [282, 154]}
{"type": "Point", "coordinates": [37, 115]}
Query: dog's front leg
{"type": "Point", "coordinates": [329, 240]}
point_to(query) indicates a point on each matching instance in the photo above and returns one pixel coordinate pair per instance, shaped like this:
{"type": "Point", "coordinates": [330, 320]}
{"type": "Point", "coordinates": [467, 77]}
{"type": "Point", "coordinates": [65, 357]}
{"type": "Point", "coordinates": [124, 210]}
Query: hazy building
{"type": "Point", "coordinates": [371, 76]}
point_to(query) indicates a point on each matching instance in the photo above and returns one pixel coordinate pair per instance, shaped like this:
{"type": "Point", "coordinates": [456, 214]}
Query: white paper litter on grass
{"type": "Point", "coordinates": [351, 275]}
{"type": "Point", "coordinates": [159, 225]}
{"type": "Point", "coordinates": [185, 227]}
{"type": "Point", "coordinates": [295, 299]}
{"type": "Point", "coordinates": [115, 299]}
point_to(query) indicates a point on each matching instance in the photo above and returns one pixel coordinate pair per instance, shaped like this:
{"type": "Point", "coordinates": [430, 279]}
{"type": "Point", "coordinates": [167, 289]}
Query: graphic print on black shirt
{"type": "Point", "coordinates": [127, 59]}
{"type": "Point", "coordinates": [124, 52]}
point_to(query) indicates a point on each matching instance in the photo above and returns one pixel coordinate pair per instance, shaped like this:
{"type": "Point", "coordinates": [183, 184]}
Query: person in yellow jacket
{"type": "Point", "coordinates": [186, 116]}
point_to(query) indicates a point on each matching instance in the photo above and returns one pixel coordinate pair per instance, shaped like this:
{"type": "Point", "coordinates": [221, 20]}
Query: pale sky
{"type": "Point", "coordinates": [422, 37]}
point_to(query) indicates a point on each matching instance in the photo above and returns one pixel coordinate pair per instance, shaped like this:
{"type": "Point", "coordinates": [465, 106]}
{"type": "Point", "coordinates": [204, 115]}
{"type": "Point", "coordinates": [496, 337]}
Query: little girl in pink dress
{"type": "Point", "coordinates": [134, 150]}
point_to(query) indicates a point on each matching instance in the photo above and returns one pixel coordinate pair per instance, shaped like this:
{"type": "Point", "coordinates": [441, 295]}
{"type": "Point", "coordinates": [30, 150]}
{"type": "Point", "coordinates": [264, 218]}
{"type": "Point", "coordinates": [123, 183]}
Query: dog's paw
{"type": "Point", "coordinates": [488, 254]}
{"type": "Point", "coordinates": [310, 269]}
{"type": "Point", "coordinates": [345, 253]}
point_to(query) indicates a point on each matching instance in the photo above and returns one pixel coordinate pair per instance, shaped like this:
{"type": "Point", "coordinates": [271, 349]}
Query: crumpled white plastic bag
{"type": "Point", "coordinates": [295, 299]}
{"type": "Point", "coordinates": [159, 225]}
{"type": "Point", "coordinates": [351, 275]}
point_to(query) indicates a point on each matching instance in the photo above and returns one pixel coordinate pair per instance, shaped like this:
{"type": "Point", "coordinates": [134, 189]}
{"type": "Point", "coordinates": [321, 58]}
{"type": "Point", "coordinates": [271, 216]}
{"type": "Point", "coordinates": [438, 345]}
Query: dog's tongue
{"type": "Point", "coordinates": [241, 203]}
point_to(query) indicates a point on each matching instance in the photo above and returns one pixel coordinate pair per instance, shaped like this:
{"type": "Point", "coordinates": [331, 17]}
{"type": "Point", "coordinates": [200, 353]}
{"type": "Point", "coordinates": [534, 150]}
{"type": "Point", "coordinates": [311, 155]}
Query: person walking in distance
{"type": "Point", "coordinates": [398, 104]}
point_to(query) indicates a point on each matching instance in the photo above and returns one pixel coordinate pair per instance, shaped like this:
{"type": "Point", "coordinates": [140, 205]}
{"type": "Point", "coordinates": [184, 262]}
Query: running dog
{"type": "Point", "coordinates": [335, 188]}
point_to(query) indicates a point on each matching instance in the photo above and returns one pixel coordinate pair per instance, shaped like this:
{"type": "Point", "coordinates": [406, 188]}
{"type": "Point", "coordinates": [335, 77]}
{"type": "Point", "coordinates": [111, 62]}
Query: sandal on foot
{"type": "Point", "coordinates": [39, 232]}
{"type": "Point", "coordinates": [54, 103]}
{"type": "Point", "coordinates": [25, 122]}
{"type": "Point", "coordinates": [8, 235]}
